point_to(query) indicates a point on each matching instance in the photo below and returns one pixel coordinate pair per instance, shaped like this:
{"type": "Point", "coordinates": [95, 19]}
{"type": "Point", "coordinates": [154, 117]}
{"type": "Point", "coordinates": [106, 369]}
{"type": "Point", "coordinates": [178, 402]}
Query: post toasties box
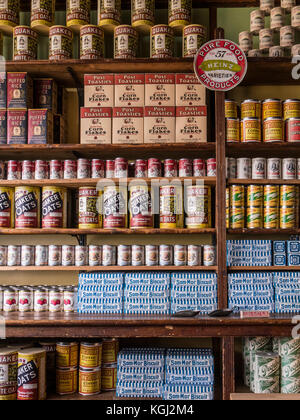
{"type": "Point", "coordinates": [129, 90]}
{"type": "Point", "coordinates": [191, 124]}
{"type": "Point", "coordinates": [98, 90]}
{"type": "Point", "coordinates": [159, 124]}
{"type": "Point", "coordinates": [96, 125]}
{"type": "Point", "coordinates": [160, 89]}
{"type": "Point", "coordinates": [128, 125]}
{"type": "Point", "coordinates": [189, 91]}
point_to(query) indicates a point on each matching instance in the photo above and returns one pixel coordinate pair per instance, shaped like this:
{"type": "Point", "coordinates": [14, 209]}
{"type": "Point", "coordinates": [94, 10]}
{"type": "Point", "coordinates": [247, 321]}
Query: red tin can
{"type": "Point", "coordinates": [170, 166]}
{"type": "Point", "coordinates": [154, 168]}
{"type": "Point", "coordinates": [121, 168]}
{"type": "Point", "coordinates": [56, 169]}
{"type": "Point", "coordinates": [141, 168]}
{"type": "Point", "coordinates": [28, 168]}
{"type": "Point", "coordinates": [185, 167]}
{"type": "Point", "coordinates": [70, 169]}
{"type": "Point", "coordinates": [292, 130]}
{"type": "Point", "coordinates": [41, 169]}
{"type": "Point", "coordinates": [83, 168]}
{"type": "Point", "coordinates": [199, 167]}
{"type": "Point", "coordinates": [211, 165]}
{"type": "Point", "coordinates": [110, 169]}
{"type": "Point", "coordinates": [98, 168]}
{"type": "Point", "coordinates": [14, 170]}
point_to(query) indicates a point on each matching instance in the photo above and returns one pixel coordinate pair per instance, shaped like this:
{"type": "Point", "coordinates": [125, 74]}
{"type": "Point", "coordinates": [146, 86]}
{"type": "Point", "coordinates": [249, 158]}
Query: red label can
{"type": "Point", "coordinates": [83, 168]}
{"type": "Point", "coordinates": [70, 169]}
{"type": "Point", "coordinates": [211, 165]}
{"type": "Point", "coordinates": [141, 168]}
{"type": "Point", "coordinates": [28, 168]}
{"type": "Point", "coordinates": [110, 169]}
{"type": "Point", "coordinates": [170, 166]}
{"type": "Point", "coordinates": [56, 169]}
{"type": "Point", "coordinates": [14, 169]}
{"type": "Point", "coordinates": [41, 169]}
{"type": "Point", "coordinates": [98, 168]}
{"type": "Point", "coordinates": [185, 167]}
{"type": "Point", "coordinates": [121, 168]}
{"type": "Point", "coordinates": [199, 167]}
{"type": "Point", "coordinates": [293, 130]}
{"type": "Point", "coordinates": [154, 168]}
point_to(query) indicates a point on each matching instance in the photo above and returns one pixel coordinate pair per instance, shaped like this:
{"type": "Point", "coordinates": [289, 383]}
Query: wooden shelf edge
{"type": "Point", "coordinates": [263, 231]}
{"type": "Point", "coordinates": [109, 268]}
{"type": "Point", "coordinates": [265, 268]}
{"type": "Point", "coordinates": [243, 393]}
{"type": "Point", "coordinates": [263, 181]}
{"type": "Point", "coordinates": [106, 231]}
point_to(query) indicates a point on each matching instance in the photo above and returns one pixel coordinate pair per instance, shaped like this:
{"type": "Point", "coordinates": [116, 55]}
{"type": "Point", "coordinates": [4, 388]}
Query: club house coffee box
{"type": "Point", "coordinates": [40, 126]}
{"type": "Point", "coordinates": [17, 126]}
{"type": "Point", "coordinates": [129, 90]}
{"type": "Point", "coordinates": [19, 90]}
{"type": "Point", "coordinates": [160, 89]}
{"type": "Point", "coordinates": [98, 90]}
{"type": "Point", "coordinates": [191, 124]}
{"type": "Point", "coordinates": [189, 91]}
{"type": "Point", "coordinates": [95, 125]}
{"type": "Point", "coordinates": [128, 125]}
{"type": "Point", "coordinates": [159, 124]}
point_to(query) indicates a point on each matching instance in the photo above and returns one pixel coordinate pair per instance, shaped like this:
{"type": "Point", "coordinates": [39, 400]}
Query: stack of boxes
{"type": "Point", "coordinates": [143, 108]}
{"type": "Point", "coordinates": [100, 293]}
{"type": "Point", "coordinates": [287, 292]}
{"type": "Point", "coordinates": [189, 374]}
{"type": "Point", "coordinates": [194, 291]}
{"type": "Point", "coordinates": [245, 253]}
{"type": "Point", "coordinates": [251, 292]}
{"type": "Point", "coordinates": [147, 293]}
{"type": "Point", "coordinates": [19, 123]}
{"type": "Point", "coordinates": [141, 373]}
{"type": "Point", "coordinates": [286, 253]}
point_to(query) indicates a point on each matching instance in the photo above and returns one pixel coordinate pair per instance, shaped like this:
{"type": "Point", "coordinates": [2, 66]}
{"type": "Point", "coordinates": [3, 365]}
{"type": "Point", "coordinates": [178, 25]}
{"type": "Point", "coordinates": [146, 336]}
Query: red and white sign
{"type": "Point", "coordinates": [220, 65]}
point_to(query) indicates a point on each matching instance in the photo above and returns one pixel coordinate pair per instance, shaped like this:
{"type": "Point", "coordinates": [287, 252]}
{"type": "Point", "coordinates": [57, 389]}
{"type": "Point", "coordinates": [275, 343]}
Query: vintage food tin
{"type": "Point", "coordinates": [32, 374]}
{"type": "Point", "coordinates": [115, 207]}
{"type": "Point", "coordinates": [13, 255]}
{"type": "Point", "coordinates": [9, 15]}
{"type": "Point", "coordinates": [27, 255]}
{"type": "Point", "coordinates": [90, 355]}
{"type": "Point", "coordinates": [137, 255]}
{"type": "Point", "coordinates": [271, 217]}
{"type": "Point", "coordinates": [78, 14]}
{"type": "Point", "coordinates": [289, 168]}
{"type": "Point", "coordinates": [255, 53]}
{"type": "Point", "coordinates": [8, 391]}
{"type": "Point", "coordinates": [7, 207]}
{"type": "Point", "coordinates": [69, 299]}
{"type": "Point", "coordinates": [109, 377]}
{"type": "Point", "coordinates": [42, 15]}
{"type": "Point", "coordinates": [28, 168]}
{"type": "Point", "coordinates": [25, 42]}
{"type": "Point", "coordinates": [274, 168]}
{"type": "Point", "coordinates": [54, 255]}
{"type": "Point", "coordinates": [56, 297]}
{"type": "Point", "coordinates": [124, 255]}
{"type": "Point", "coordinates": [25, 300]}
{"type": "Point", "coordinates": [66, 381]}
{"type": "Point", "coordinates": [288, 4]}
{"type": "Point", "coordinates": [288, 218]}
{"type": "Point", "coordinates": [231, 109]}
{"type": "Point", "coordinates": [121, 168]}
{"type": "Point", "coordinates": [198, 207]}
{"type": "Point", "coordinates": [209, 255]}
{"type": "Point", "coordinates": [27, 207]}
{"type": "Point", "coordinates": [255, 196]}
{"type": "Point", "coordinates": [152, 255]}
{"type": "Point", "coordinates": [125, 42]}
{"type": "Point", "coordinates": [250, 130]}
{"type": "Point", "coordinates": [162, 41]}
{"type": "Point", "coordinates": [66, 355]}
{"type": "Point", "coordinates": [273, 130]}
{"type": "Point", "coordinates": [171, 207]}
{"type": "Point", "coordinates": [3, 128]}
{"type": "Point", "coordinates": [10, 300]}
{"type": "Point", "coordinates": [246, 41]}
{"type": "Point", "coordinates": [255, 218]}
{"type": "Point", "coordinates": [292, 130]}
{"type": "Point", "coordinates": [143, 15]}
{"type": "Point", "coordinates": [266, 6]}
{"type": "Point", "coordinates": [237, 195]}
{"type": "Point", "coordinates": [54, 207]}
{"type": "Point", "coordinates": [277, 18]}
{"type": "Point", "coordinates": [89, 381]}
{"type": "Point", "coordinates": [233, 130]}
{"type": "Point", "coordinates": [141, 168]}
{"type": "Point", "coordinates": [251, 108]}
{"type": "Point", "coordinates": [95, 255]}
{"type": "Point", "coordinates": [295, 18]}
{"type": "Point", "coordinates": [68, 255]}
{"type": "Point", "coordinates": [180, 14]}
{"type": "Point", "coordinates": [8, 366]}
{"type": "Point", "coordinates": [266, 39]}
{"type": "Point", "coordinates": [287, 36]}
{"type": "Point", "coordinates": [109, 255]}
{"type": "Point", "coordinates": [259, 168]}
{"type": "Point", "coordinates": [276, 51]}
{"type": "Point", "coordinates": [110, 350]}
{"type": "Point", "coordinates": [194, 36]}
{"type": "Point", "coordinates": [97, 168]}
{"type": "Point", "coordinates": [56, 169]}
{"type": "Point", "coordinates": [271, 196]}
{"type": "Point", "coordinates": [70, 169]}
{"type": "Point", "coordinates": [81, 255]}
{"type": "Point", "coordinates": [180, 255]}
{"type": "Point", "coordinates": [237, 218]}
{"type": "Point", "coordinates": [90, 216]}
{"type": "Point", "coordinates": [271, 108]}
{"type": "Point", "coordinates": [83, 168]}
{"type": "Point", "coordinates": [41, 255]}
{"type": "Point", "coordinates": [166, 255]}
{"type": "Point", "coordinates": [41, 300]}
{"type": "Point", "coordinates": [109, 14]}
{"type": "Point", "coordinates": [194, 257]}
{"type": "Point", "coordinates": [60, 43]}
{"type": "Point", "coordinates": [140, 207]}
{"type": "Point", "coordinates": [289, 195]}
{"type": "Point", "coordinates": [257, 21]}
{"type": "Point", "coordinates": [91, 42]}
{"type": "Point", "coordinates": [291, 109]}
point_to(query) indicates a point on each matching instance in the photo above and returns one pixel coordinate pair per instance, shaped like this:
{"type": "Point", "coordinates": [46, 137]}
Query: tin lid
{"type": "Point", "coordinates": [66, 344]}
{"type": "Point", "coordinates": [271, 100]}
{"type": "Point", "coordinates": [273, 118]}
{"type": "Point", "coordinates": [291, 100]}
{"type": "Point", "coordinates": [86, 344]}
{"type": "Point", "coordinates": [109, 366]}
{"type": "Point", "coordinates": [86, 370]}
{"type": "Point", "coordinates": [246, 101]}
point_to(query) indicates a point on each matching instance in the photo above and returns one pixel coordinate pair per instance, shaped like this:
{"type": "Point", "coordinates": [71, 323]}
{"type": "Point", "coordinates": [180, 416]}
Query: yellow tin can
{"type": "Point", "coordinates": [27, 207]}
{"type": "Point", "coordinates": [198, 207]}
{"type": "Point", "coordinates": [109, 14]}
{"type": "Point", "coordinates": [31, 374]}
{"type": "Point", "coordinates": [233, 130]}
{"type": "Point", "coordinates": [66, 355]}
{"type": "Point", "coordinates": [289, 195]}
{"type": "Point", "coordinates": [90, 355]}
{"type": "Point", "coordinates": [180, 14]}
{"type": "Point", "coordinates": [231, 109]}
{"type": "Point", "coordinates": [237, 195]}
{"type": "Point", "coordinates": [271, 195]}
{"type": "Point", "coordinates": [66, 381]}
{"type": "Point", "coordinates": [42, 15]}
{"type": "Point", "coordinates": [9, 15]}
{"type": "Point", "coordinates": [271, 108]}
{"type": "Point", "coordinates": [227, 218]}
{"type": "Point", "coordinates": [251, 130]}
{"type": "Point", "coordinates": [171, 207]}
{"type": "Point", "coordinates": [288, 217]}
{"type": "Point", "coordinates": [255, 218]}
{"type": "Point", "coordinates": [143, 15]}
{"type": "Point", "coordinates": [89, 204]}
{"type": "Point", "coordinates": [7, 207]}
{"type": "Point", "coordinates": [255, 196]}
{"type": "Point", "coordinates": [78, 14]}
{"type": "Point", "coordinates": [8, 390]}
{"type": "Point", "coordinates": [89, 382]}
{"type": "Point", "coordinates": [109, 377]}
{"type": "Point", "coordinates": [237, 217]}
{"type": "Point", "coordinates": [291, 109]}
{"type": "Point", "coordinates": [273, 130]}
{"type": "Point", "coordinates": [110, 350]}
{"type": "Point", "coordinates": [271, 217]}
{"type": "Point", "coordinates": [227, 197]}
{"type": "Point", "coordinates": [251, 108]}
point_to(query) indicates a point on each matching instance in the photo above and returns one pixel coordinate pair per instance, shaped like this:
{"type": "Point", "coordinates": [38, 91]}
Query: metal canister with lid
{"type": "Point", "coordinates": [271, 108]}
{"type": "Point", "coordinates": [251, 108]}
{"type": "Point", "coordinates": [90, 355]}
{"type": "Point", "coordinates": [291, 109]}
{"type": "Point", "coordinates": [67, 355]}
{"type": "Point", "coordinates": [194, 36]}
{"type": "Point", "coordinates": [273, 130]}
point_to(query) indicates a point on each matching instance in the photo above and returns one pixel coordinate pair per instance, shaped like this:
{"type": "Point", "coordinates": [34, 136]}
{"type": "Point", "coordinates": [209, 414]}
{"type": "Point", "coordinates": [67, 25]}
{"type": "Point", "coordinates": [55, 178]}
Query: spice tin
{"type": "Point", "coordinates": [257, 21]}
{"type": "Point", "coordinates": [125, 42]}
{"type": "Point", "coordinates": [277, 18]}
{"type": "Point", "coordinates": [287, 36]}
{"type": "Point", "coordinates": [41, 255]}
{"type": "Point", "coordinates": [109, 255]}
{"type": "Point", "coordinates": [91, 42]}
{"type": "Point", "coordinates": [273, 130]}
{"type": "Point", "coordinates": [9, 15]}
{"type": "Point", "coordinates": [27, 207]}
{"type": "Point", "coordinates": [151, 255]}
{"type": "Point", "coordinates": [109, 14]}
{"type": "Point", "coordinates": [90, 355]}
{"type": "Point", "coordinates": [54, 207]}
{"type": "Point", "coordinates": [78, 14]}
{"type": "Point", "coordinates": [66, 355]}
{"type": "Point", "coordinates": [60, 39]}
{"type": "Point", "coordinates": [115, 207]}
{"type": "Point", "coordinates": [25, 42]}
{"type": "Point", "coordinates": [291, 109]}
{"type": "Point", "coordinates": [42, 15]}
{"type": "Point", "coordinates": [89, 381]}
{"type": "Point", "coordinates": [32, 374]}
{"type": "Point", "coordinates": [162, 41]}
{"type": "Point", "coordinates": [124, 255]}
{"type": "Point", "coordinates": [140, 207]}
{"type": "Point", "coordinates": [180, 14]}
{"type": "Point", "coordinates": [109, 377]}
{"type": "Point", "coordinates": [251, 108]}
{"type": "Point", "coordinates": [194, 36]}
{"type": "Point", "coordinates": [143, 15]}
{"type": "Point", "coordinates": [137, 255]}
{"type": "Point", "coordinates": [95, 255]}
{"type": "Point", "coordinates": [66, 381]}
{"type": "Point", "coordinates": [7, 207]}
{"type": "Point", "coordinates": [110, 350]}
{"type": "Point", "coordinates": [89, 215]}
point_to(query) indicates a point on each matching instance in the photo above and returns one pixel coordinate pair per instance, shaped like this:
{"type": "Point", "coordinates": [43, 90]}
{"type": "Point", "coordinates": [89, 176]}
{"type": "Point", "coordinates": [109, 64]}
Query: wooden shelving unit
{"type": "Point", "coordinates": [109, 268]}
{"type": "Point", "coordinates": [265, 268]}
{"type": "Point", "coordinates": [107, 231]}
{"type": "Point", "coordinates": [263, 182]}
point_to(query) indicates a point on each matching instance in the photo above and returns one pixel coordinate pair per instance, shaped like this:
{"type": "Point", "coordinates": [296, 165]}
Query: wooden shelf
{"type": "Point", "coordinates": [265, 268]}
{"type": "Point", "coordinates": [47, 325]}
{"type": "Point", "coordinates": [110, 151]}
{"type": "Point", "coordinates": [109, 268]}
{"type": "Point", "coordinates": [263, 182]}
{"type": "Point", "coordinates": [76, 183]}
{"type": "Point", "coordinates": [104, 396]}
{"type": "Point", "coordinates": [71, 72]}
{"type": "Point", "coordinates": [263, 231]}
{"type": "Point", "coordinates": [263, 149]}
{"type": "Point", "coordinates": [106, 231]}
{"type": "Point", "coordinates": [243, 393]}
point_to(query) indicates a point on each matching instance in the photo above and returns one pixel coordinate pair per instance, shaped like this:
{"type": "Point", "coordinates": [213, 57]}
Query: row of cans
{"type": "Point", "coordinates": [38, 299]}
{"type": "Point", "coordinates": [107, 255]}
{"type": "Point", "coordinates": [262, 168]}
{"type": "Point", "coordinates": [98, 168]}
{"type": "Point", "coordinates": [272, 130]}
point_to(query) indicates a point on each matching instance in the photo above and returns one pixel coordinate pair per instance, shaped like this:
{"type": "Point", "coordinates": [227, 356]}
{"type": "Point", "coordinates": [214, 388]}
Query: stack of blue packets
{"type": "Point", "coordinates": [189, 374]}
{"type": "Point", "coordinates": [100, 293]}
{"type": "Point", "coordinates": [141, 373]}
{"type": "Point", "coordinates": [253, 291]}
{"type": "Point", "coordinates": [147, 293]}
{"type": "Point", "coordinates": [245, 253]}
{"type": "Point", "coordinates": [287, 292]}
{"type": "Point", "coordinates": [194, 291]}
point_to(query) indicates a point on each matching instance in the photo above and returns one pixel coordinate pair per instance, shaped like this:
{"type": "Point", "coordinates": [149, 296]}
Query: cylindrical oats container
{"type": "Point", "coordinates": [60, 43]}
{"type": "Point", "coordinates": [125, 42]}
{"type": "Point", "coordinates": [91, 42]}
{"type": "Point", "coordinates": [42, 15]}
{"type": "Point", "coordinates": [162, 41]}
{"type": "Point", "coordinates": [180, 14]}
{"type": "Point", "coordinates": [78, 14]}
{"type": "Point", "coordinates": [143, 15]}
{"type": "Point", "coordinates": [193, 37]}
{"type": "Point", "coordinates": [25, 43]}
{"type": "Point", "coordinates": [9, 15]}
{"type": "Point", "coordinates": [109, 14]}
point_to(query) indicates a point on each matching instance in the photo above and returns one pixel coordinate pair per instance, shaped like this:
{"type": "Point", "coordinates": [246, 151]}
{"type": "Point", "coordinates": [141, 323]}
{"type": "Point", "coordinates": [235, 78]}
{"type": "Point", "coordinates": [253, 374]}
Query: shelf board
{"type": "Point", "coordinates": [262, 149]}
{"type": "Point", "coordinates": [76, 183]}
{"type": "Point", "coordinates": [107, 151]}
{"type": "Point", "coordinates": [263, 231]}
{"type": "Point", "coordinates": [265, 268]}
{"type": "Point", "coordinates": [263, 182]}
{"type": "Point", "coordinates": [37, 325]}
{"type": "Point", "coordinates": [109, 268]}
{"type": "Point", "coordinates": [106, 231]}
{"type": "Point", "coordinates": [104, 396]}
{"type": "Point", "coordinates": [243, 393]}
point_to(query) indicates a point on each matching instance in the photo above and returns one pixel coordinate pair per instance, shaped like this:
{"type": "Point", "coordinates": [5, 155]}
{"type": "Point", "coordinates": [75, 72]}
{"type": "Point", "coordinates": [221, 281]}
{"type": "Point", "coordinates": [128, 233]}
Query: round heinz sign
{"type": "Point", "coordinates": [220, 65]}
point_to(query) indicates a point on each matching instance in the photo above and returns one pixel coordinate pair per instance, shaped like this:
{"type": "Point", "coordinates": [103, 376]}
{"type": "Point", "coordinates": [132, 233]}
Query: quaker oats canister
{"type": "Point", "coordinates": [140, 207]}
{"type": "Point", "coordinates": [125, 42]}
{"type": "Point", "coordinates": [78, 14]}
{"type": "Point", "coordinates": [180, 14]}
{"type": "Point", "coordinates": [7, 207]}
{"type": "Point", "coordinates": [143, 15]}
{"type": "Point", "coordinates": [54, 207]}
{"type": "Point", "coordinates": [115, 207]}
{"type": "Point", "coordinates": [193, 37]}
{"type": "Point", "coordinates": [25, 43]}
{"type": "Point", "coordinates": [9, 15]}
{"type": "Point", "coordinates": [42, 15]}
{"type": "Point", "coordinates": [91, 42]}
{"type": "Point", "coordinates": [27, 207]}
{"type": "Point", "coordinates": [162, 41]}
{"type": "Point", "coordinates": [109, 14]}
{"type": "Point", "coordinates": [171, 207]}
{"type": "Point", "coordinates": [60, 43]}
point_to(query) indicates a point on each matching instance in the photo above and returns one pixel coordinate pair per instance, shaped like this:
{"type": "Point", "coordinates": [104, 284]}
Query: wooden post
{"type": "Point", "coordinates": [228, 372]}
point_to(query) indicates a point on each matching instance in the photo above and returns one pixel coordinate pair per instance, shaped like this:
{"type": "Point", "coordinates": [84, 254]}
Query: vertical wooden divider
{"type": "Point", "coordinates": [228, 371]}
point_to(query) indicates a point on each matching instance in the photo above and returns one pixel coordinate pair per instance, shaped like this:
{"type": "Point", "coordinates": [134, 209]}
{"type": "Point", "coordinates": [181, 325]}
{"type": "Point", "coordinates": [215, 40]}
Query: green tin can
{"type": "Point", "coordinates": [290, 366]}
{"type": "Point", "coordinates": [289, 346]}
{"type": "Point", "coordinates": [267, 386]}
{"type": "Point", "coordinates": [290, 386]}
